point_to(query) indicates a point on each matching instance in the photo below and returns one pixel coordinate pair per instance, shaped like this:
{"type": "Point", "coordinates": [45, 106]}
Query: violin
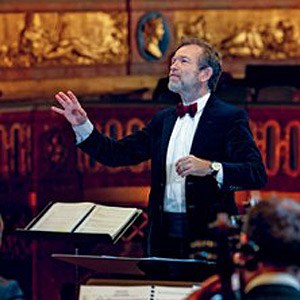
{"type": "Point", "coordinates": [225, 239]}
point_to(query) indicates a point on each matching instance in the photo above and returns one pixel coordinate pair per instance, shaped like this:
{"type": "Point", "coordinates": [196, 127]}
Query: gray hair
{"type": "Point", "coordinates": [210, 58]}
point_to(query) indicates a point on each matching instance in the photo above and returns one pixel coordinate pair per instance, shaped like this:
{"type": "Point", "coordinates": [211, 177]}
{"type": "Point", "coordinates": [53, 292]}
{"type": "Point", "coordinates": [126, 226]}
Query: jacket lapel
{"type": "Point", "coordinates": [205, 123]}
{"type": "Point", "coordinates": [168, 126]}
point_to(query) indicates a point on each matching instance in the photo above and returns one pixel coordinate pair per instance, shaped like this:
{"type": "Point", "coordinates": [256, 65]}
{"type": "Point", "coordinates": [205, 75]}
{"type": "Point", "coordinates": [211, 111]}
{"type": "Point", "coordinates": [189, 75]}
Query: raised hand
{"type": "Point", "coordinates": [71, 108]}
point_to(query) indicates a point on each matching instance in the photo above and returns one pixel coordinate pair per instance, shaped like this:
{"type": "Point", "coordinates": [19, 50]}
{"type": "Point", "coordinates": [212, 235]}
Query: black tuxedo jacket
{"type": "Point", "coordinates": [222, 135]}
{"type": "Point", "coordinates": [273, 292]}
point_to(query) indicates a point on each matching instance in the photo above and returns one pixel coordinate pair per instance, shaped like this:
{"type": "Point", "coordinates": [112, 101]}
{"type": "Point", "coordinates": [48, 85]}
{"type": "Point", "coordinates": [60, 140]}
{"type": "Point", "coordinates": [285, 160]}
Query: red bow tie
{"type": "Point", "coordinates": [181, 109]}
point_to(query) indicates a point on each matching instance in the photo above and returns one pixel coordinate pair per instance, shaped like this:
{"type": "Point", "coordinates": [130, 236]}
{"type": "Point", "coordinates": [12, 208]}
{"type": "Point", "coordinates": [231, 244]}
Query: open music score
{"type": "Point", "coordinates": [84, 218]}
{"type": "Point", "coordinates": [135, 292]}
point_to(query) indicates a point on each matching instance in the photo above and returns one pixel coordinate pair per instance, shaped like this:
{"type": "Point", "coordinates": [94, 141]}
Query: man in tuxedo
{"type": "Point", "coordinates": [201, 152]}
{"type": "Point", "coordinates": [272, 268]}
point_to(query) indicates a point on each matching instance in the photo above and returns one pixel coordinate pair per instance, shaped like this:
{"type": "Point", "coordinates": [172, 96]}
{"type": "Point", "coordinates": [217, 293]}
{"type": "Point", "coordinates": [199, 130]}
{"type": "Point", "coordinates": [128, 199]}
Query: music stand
{"type": "Point", "coordinates": [158, 268]}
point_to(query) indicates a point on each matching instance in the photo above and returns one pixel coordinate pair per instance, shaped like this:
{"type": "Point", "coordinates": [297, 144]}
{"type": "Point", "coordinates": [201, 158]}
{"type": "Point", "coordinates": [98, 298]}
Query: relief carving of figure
{"type": "Point", "coordinates": [153, 33]}
{"type": "Point", "coordinates": [35, 41]}
{"type": "Point", "coordinates": [244, 42]}
{"type": "Point", "coordinates": [280, 40]}
{"type": "Point", "coordinates": [269, 41]}
{"type": "Point", "coordinates": [37, 45]}
{"type": "Point", "coordinates": [195, 28]}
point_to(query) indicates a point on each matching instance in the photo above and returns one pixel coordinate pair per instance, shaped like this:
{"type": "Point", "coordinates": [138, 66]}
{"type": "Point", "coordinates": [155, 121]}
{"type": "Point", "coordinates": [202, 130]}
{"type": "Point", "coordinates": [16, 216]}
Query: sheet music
{"type": "Point", "coordinates": [89, 292]}
{"type": "Point", "coordinates": [107, 220]}
{"type": "Point", "coordinates": [84, 217]}
{"type": "Point", "coordinates": [142, 292]}
{"type": "Point", "coordinates": [171, 292]}
{"type": "Point", "coordinates": [62, 217]}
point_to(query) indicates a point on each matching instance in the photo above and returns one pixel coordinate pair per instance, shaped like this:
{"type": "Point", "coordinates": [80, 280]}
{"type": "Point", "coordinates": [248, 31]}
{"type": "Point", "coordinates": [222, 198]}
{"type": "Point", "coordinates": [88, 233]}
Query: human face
{"type": "Point", "coordinates": [160, 31]}
{"type": "Point", "coordinates": [184, 76]}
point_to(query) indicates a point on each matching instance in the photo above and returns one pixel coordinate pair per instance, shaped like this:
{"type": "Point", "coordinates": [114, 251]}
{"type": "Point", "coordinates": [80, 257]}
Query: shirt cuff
{"type": "Point", "coordinates": [220, 176]}
{"type": "Point", "coordinates": [83, 131]}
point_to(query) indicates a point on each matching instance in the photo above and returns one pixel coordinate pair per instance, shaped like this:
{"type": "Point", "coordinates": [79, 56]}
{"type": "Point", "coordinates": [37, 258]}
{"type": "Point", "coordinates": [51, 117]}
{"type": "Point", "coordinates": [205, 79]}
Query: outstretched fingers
{"type": "Point", "coordinates": [73, 98]}
{"type": "Point", "coordinates": [57, 110]}
{"type": "Point", "coordinates": [61, 99]}
{"type": "Point", "coordinates": [65, 97]}
{"type": "Point", "coordinates": [70, 108]}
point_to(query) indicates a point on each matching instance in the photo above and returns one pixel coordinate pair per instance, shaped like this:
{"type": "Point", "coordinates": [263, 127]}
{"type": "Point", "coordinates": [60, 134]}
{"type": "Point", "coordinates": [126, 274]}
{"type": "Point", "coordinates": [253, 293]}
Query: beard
{"type": "Point", "coordinates": [184, 84]}
{"type": "Point", "coordinates": [174, 86]}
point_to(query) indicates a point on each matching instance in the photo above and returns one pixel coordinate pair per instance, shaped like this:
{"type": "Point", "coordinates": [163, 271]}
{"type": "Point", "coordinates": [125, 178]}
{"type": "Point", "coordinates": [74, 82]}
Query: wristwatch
{"type": "Point", "coordinates": [215, 168]}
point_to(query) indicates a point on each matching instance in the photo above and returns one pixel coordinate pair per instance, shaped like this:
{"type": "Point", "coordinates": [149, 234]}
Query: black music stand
{"type": "Point", "coordinates": [73, 242]}
{"type": "Point", "coordinates": [157, 268]}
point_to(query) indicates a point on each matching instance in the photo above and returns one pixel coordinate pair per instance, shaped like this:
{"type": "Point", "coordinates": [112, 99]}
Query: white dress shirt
{"type": "Point", "coordinates": [179, 146]}
{"type": "Point", "coordinates": [83, 131]}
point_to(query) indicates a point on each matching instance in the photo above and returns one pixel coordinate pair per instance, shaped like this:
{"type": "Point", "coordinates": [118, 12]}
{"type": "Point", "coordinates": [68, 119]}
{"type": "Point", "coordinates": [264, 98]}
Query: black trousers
{"type": "Point", "coordinates": [175, 243]}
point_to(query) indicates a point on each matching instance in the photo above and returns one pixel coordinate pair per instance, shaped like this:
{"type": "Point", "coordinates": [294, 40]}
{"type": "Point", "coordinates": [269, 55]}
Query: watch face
{"type": "Point", "coordinates": [216, 166]}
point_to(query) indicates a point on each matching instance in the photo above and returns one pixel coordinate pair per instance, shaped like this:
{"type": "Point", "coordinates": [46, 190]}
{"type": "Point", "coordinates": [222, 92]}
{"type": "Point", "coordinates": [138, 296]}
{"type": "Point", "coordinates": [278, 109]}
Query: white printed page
{"type": "Point", "coordinates": [90, 292]}
{"type": "Point", "coordinates": [171, 292]}
{"type": "Point", "coordinates": [107, 220]}
{"type": "Point", "coordinates": [62, 217]}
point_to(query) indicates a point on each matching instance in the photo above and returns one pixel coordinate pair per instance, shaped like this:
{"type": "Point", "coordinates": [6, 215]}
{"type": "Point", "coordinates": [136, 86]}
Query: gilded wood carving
{"type": "Point", "coordinates": [272, 34]}
{"type": "Point", "coordinates": [63, 39]}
